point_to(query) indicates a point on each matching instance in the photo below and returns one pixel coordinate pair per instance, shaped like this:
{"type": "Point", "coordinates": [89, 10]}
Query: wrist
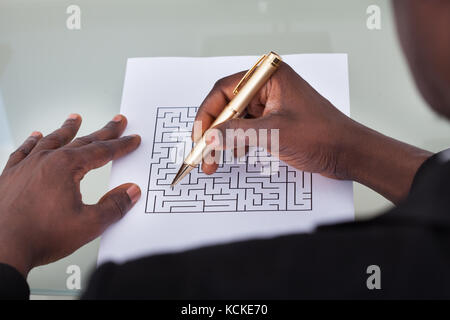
{"type": "Point", "coordinates": [381, 163]}
{"type": "Point", "coordinates": [14, 258]}
{"type": "Point", "coordinates": [351, 141]}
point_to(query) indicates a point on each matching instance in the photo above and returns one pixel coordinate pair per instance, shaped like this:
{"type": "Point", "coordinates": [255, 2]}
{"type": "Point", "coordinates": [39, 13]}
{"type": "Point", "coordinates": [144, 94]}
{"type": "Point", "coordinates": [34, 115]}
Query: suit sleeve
{"type": "Point", "coordinates": [12, 284]}
{"type": "Point", "coordinates": [410, 245]}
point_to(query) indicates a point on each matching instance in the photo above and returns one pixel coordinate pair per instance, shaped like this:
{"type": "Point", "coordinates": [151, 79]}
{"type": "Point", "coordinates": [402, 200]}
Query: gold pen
{"type": "Point", "coordinates": [244, 92]}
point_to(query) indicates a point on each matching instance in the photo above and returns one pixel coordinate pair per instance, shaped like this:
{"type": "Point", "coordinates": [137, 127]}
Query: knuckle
{"type": "Point", "coordinates": [103, 147]}
{"type": "Point", "coordinates": [111, 126]}
{"type": "Point", "coordinates": [53, 139]}
{"type": "Point", "coordinates": [117, 206]}
{"type": "Point", "coordinates": [69, 123]}
{"type": "Point", "coordinates": [43, 154]}
{"type": "Point", "coordinates": [129, 141]}
{"type": "Point", "coordinates": [83, 140]}
{"type": "Point", "coordinates": [65, 155]}
{"type": "Point", "coordinates": [21, 152]}
{"type": "Point", "coordinates": [219, 83]}
{"type": "Point", "coordinates": [25, 149]}
{"type": "Point", "coordinates": [38, 156]}
{"type": "Point", "coordinates": [229, 80]}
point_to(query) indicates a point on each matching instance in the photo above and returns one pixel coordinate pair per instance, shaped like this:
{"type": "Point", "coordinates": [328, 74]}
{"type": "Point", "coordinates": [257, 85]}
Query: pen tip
{"type": "Point", "coordinates": [184, 170]}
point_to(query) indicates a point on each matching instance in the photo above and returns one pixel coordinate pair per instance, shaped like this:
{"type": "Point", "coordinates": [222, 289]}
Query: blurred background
{"type": "Point", "coordinates": [48, 71]}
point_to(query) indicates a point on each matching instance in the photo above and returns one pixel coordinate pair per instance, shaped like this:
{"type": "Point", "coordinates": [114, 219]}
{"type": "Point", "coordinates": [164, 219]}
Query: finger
{"type": "Point", "coordinates": [215, 101]}
{"type": "Point", "coordinates": [210, 162]}
{"type": "Point", "coordinates": [62, 136]}
{"type": "Point", "coordinates": [24, 150]}
{"type": "Point", "coordinates": [240, 152]}
{"type": "Point", "coordinates": [112, 130]}
{"type": "Point", "coordinates": [239, 133]}
{"type": "Point", "coordinates": [99, 153]}
{"type": "Point", "coordinates": [111, 207]}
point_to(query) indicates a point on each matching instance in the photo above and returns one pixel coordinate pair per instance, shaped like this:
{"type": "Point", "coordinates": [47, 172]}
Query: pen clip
{"type": "Point", "coordinates": [248, 74]}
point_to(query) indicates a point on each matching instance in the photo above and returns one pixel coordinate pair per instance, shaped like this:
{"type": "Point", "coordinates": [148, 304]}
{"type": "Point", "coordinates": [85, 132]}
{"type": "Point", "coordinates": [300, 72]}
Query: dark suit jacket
{"type": "Point", "coordinates": [410, 244]}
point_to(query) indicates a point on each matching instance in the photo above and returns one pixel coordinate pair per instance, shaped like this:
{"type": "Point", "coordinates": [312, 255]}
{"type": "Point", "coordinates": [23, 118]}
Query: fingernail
{"type": "Point", "coordinates": [35, 134]}
{"type": "Point", "coordinates": [117, 118]}
{"type": "Point", "coordinates": [73, 116]}
{"type": "Point", "coordinates": [134, 193]}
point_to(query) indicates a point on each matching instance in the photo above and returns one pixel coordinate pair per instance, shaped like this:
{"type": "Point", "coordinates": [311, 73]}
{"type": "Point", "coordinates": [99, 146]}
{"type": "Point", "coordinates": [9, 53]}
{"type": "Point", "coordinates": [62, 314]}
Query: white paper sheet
{"type": "Point", "coordinates": [160, 97]}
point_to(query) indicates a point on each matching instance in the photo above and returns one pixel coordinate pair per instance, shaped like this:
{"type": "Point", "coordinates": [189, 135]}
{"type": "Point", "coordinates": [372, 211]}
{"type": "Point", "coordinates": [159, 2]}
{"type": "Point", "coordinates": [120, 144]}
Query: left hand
{"type": "Point", "coordinates": [42, 215]}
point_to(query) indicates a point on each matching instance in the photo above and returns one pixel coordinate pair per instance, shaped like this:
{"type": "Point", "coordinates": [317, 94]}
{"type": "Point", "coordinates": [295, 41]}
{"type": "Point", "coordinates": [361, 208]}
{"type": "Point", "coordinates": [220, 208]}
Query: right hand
{"type": "Point", "coordinates": [312, 132]}
{"type": "Point", "coordinates": [314, 136]}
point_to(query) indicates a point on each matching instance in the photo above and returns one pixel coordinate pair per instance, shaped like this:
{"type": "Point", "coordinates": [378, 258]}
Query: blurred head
{"type": "Point", "coordinates": [424, 30]}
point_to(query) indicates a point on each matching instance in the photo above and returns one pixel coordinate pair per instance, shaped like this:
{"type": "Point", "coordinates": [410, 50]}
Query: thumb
{"type": "Point", "coordinates": [237, 133]}
{"type": "Point", "coordinates": [114, 205]}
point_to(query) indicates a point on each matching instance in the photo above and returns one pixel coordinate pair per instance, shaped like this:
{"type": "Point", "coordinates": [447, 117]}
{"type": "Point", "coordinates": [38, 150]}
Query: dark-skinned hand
{"type": "Point", "coordinates": [314, 135]}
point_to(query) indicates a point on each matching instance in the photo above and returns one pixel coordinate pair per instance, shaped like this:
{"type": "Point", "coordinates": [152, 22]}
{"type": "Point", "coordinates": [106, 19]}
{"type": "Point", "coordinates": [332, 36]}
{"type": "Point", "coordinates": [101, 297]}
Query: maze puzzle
{"type": "Point", "coordinates": [260, 183]}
